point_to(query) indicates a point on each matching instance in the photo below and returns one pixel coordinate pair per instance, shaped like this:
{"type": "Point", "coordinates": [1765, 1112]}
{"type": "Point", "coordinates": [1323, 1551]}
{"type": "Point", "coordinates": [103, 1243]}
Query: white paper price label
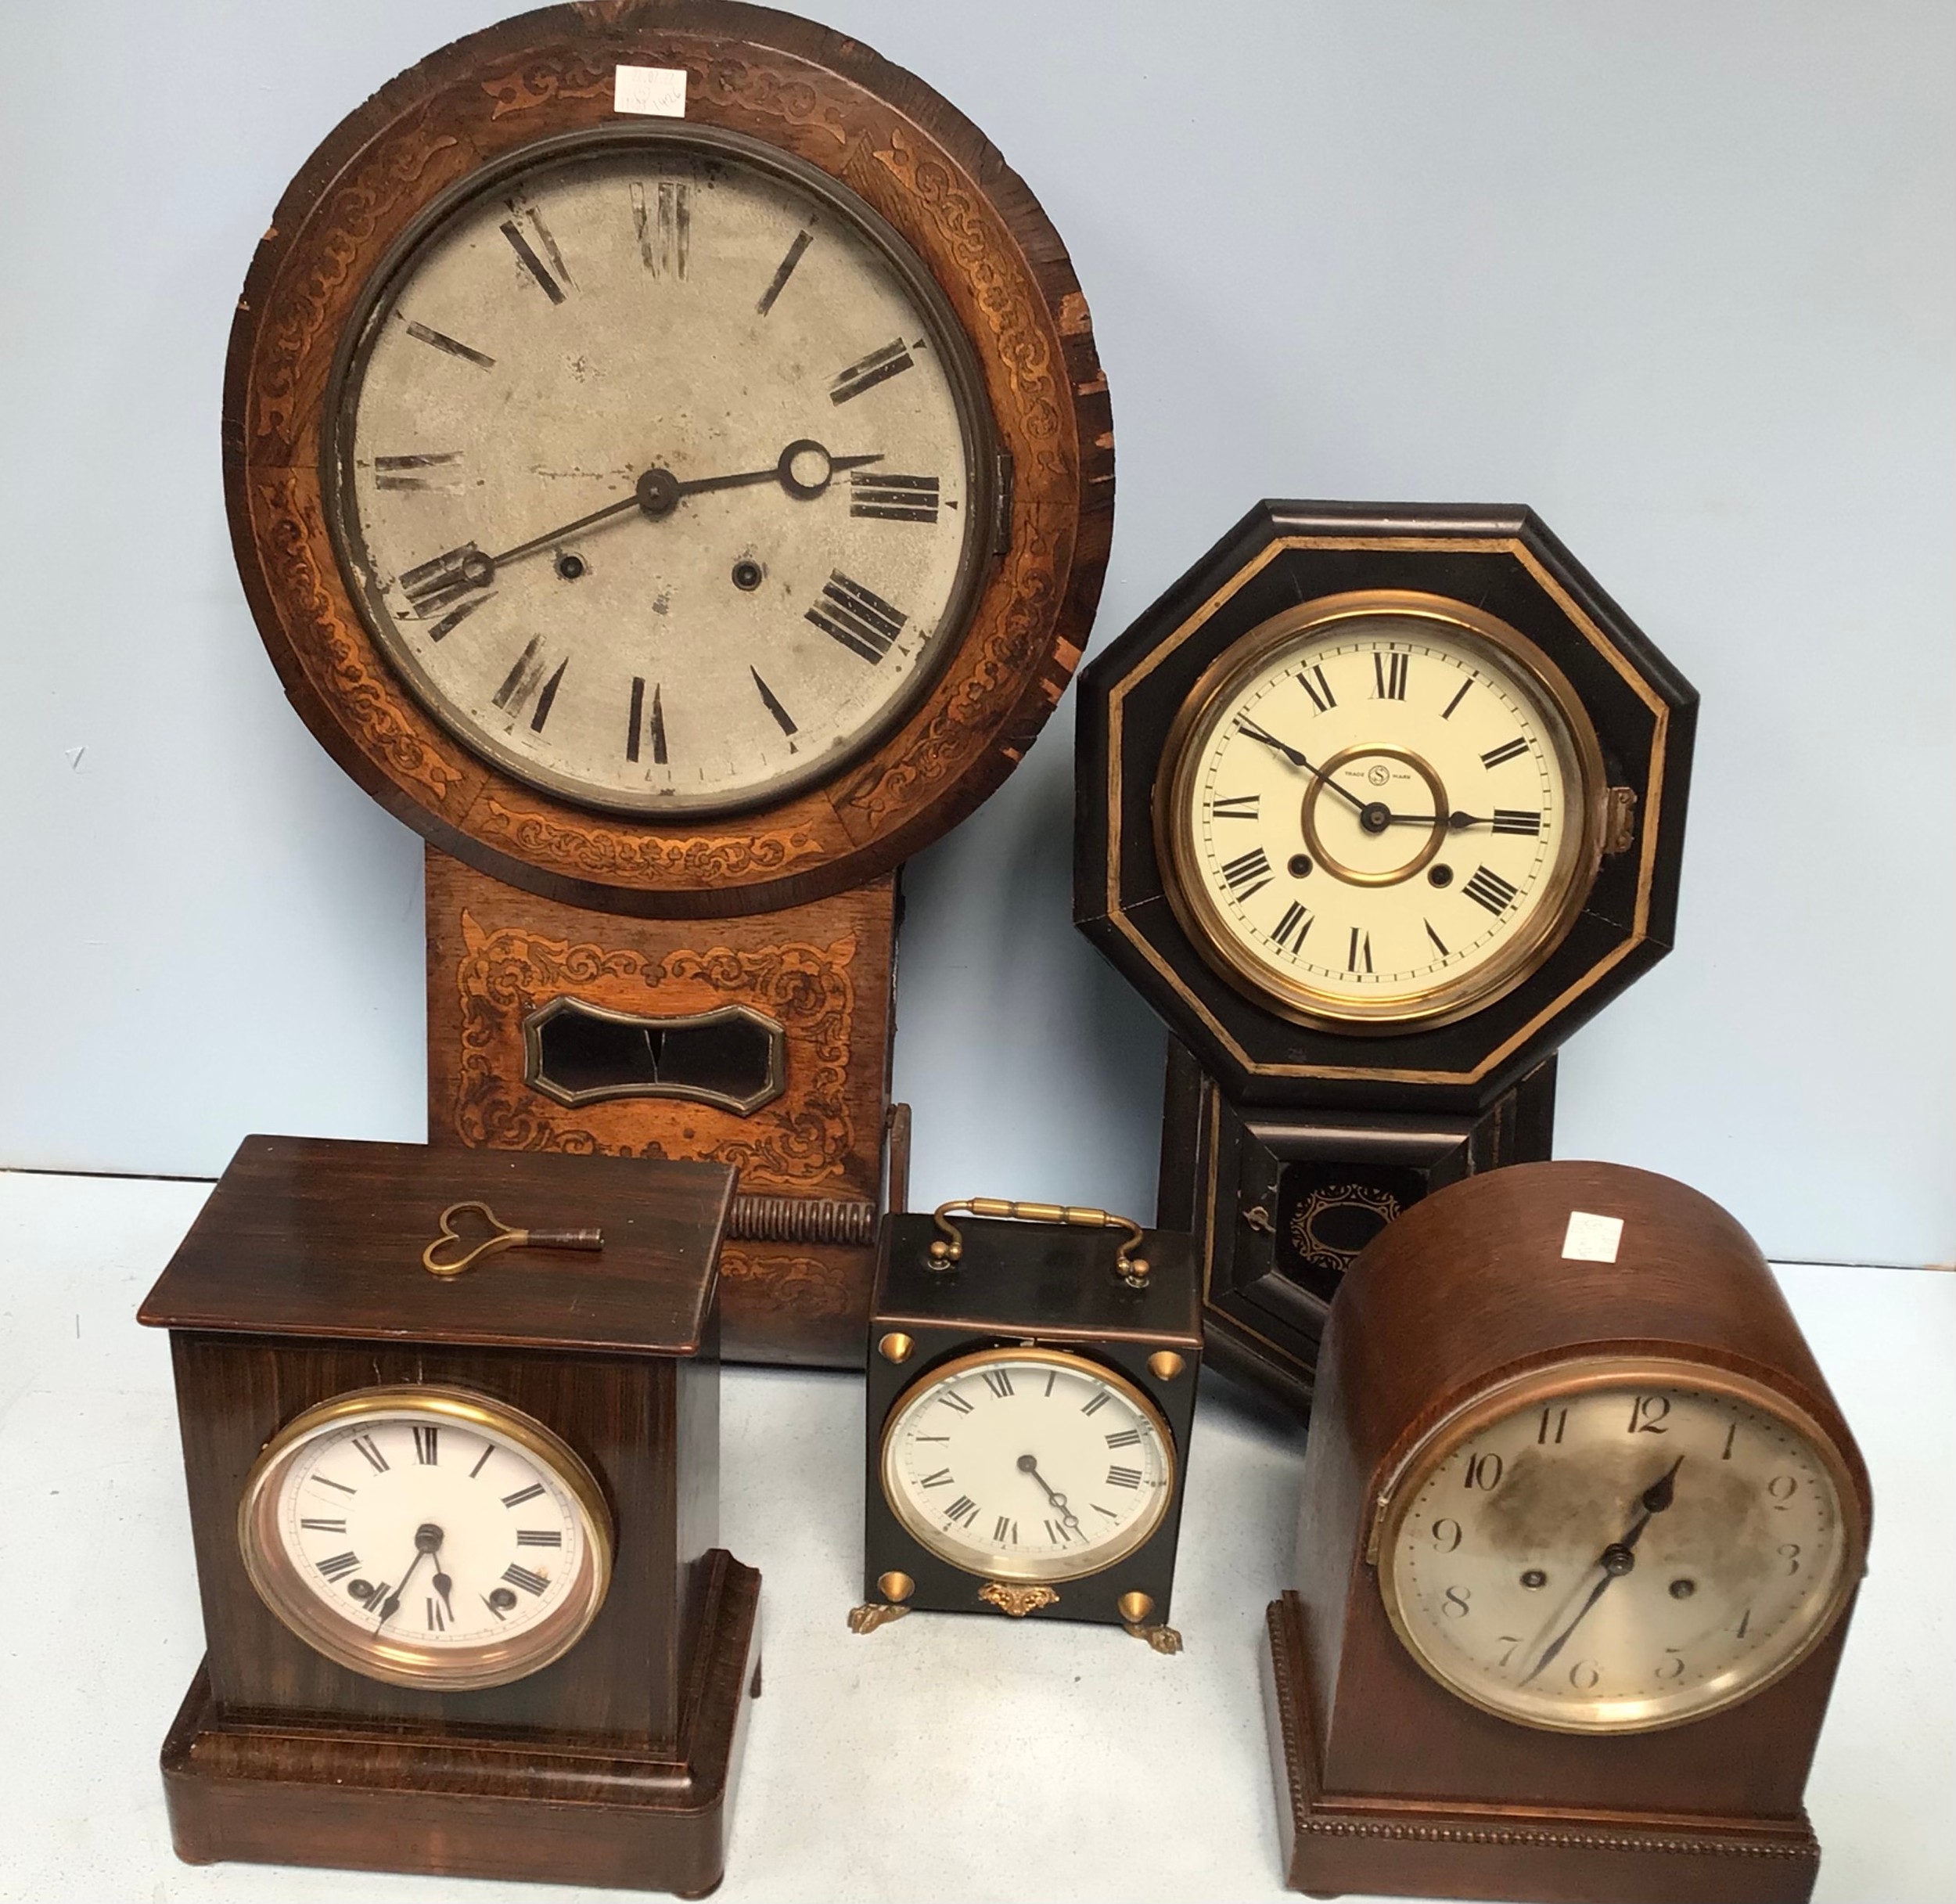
{"type": "Point", "coordinates": [655, 91]}
{"type": "Point", "coordinates": [1591, 1239]}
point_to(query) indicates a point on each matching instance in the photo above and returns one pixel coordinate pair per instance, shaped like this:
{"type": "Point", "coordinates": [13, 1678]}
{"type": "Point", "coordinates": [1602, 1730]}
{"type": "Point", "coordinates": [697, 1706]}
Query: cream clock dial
{"type": "Point", "coordinates": [1618, 1550]}
{"type": "Point", "coordinates": [426, 1537]}
{"type": "Point", "coordinates": [1028, 1465]}
{"type": "Point", "coordinates": [657, 468]}
{"type": "Point", "coordinates": [1380, 809]}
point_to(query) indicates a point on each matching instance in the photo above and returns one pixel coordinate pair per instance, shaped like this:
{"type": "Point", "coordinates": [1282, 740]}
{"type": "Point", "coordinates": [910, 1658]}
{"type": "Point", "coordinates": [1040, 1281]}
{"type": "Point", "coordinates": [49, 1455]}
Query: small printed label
{"type": "Point", "coordinates": [658, 91]}
{"type": "Point", "coordinates": [1591, 1239]}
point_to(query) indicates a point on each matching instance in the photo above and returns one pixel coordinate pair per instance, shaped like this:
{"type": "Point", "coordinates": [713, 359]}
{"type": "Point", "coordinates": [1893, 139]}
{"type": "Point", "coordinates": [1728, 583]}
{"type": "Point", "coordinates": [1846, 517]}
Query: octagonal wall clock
{"type": "Point", "coordinates": [670, 468]}
{"type": "Point", "coordinates": [1376, 805]}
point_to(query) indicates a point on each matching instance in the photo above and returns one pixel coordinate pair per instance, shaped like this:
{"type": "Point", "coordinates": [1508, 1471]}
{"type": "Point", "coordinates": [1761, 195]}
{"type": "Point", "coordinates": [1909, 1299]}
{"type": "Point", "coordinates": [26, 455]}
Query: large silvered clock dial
{"type": "Point", "coordinates": [1379, 810]}
{"type": "Point", "coordinates": [660, 469]}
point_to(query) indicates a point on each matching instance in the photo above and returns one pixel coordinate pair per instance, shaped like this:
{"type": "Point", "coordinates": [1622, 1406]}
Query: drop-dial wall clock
{"type": "Point", "coordinates": [1581, 1530]}
{"type": "Point", "coordinates": [465, 1607]}
{"type": "Point", "coordinates": [1376, 804]}
{"type": "Point", "coordinates": [669, 467]}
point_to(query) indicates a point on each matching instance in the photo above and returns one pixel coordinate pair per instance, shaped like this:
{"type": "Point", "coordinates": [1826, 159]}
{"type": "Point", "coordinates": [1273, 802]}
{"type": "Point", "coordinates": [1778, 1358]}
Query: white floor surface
{"type": "Point", "coordinates": [946, 1758]}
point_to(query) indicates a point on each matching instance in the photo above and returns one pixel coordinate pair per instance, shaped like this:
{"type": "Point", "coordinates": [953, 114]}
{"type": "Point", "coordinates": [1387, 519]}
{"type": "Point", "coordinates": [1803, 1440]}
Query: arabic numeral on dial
{"type": "Point", "coordinates": [1585, 1676]}
{"type": "Point", "coordinates": [1672, 1667]}
{"type": "Point", "coordinates": [1454, 1605]}
{"type": "Point", "coordinates": [1483, 1473]}
{"type": "Point", "coordinates": [1647, 1414]}
{"type": "Point", "coordinates": [1789, 1553]}
{"type": "Point", "coordinates": [1556, 1420]}
{"type": "Point", "coordinates": [1781, 1489]}
{"type": "Point", "coordinates": [1509, 1641]}
{"type": "Point", "coordinates": [1745, 1621]}
{"type": "Point", "coordinates": [1446, 1534]}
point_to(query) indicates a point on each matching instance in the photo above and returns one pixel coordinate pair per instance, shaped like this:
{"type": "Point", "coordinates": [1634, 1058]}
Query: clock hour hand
{"type": "Point", "coordinates": [1029, 1464]}
{"type": "Point", "coordinates": [428, 1538]}
{"type": "Point", "coordinates": [1616, 1560]}
{"type": "Point", "coordinates": [1246, 725]}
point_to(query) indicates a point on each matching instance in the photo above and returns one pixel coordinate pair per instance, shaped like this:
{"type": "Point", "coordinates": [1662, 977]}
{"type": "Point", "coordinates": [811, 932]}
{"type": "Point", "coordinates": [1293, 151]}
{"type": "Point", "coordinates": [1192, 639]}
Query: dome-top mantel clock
{"type": "Point", "coordinates": [670, 468]}
{"type": "Point", "coordinates": [1377, 804]}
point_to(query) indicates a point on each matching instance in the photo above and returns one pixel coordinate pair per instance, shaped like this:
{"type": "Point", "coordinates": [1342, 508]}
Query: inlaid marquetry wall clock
{"type": "Point", "coordinates": [1376, 805]}
{"type": "Point", "coordinates": [670, 467]}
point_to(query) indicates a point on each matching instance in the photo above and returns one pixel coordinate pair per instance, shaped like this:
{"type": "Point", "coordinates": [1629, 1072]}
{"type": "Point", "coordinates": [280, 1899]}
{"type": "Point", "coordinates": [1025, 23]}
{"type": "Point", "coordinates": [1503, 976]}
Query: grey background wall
{"type": "Point", "coordinates": [1678, 275]}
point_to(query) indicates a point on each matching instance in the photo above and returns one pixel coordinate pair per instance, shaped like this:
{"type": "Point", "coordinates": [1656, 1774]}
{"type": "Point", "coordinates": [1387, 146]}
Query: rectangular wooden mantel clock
{"type": "Point", "coordinates": [450, 1430]}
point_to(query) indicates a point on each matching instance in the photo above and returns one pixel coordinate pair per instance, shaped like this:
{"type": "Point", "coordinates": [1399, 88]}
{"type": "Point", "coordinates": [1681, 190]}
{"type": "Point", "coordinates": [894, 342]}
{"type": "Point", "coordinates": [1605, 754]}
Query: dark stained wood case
{"type": "Point", "coordinates": [301, 1279]}
{"type": "Point", "coordinates": [824, 971]}
{"type": "Point", "coordinates": [1386, 1782]}
{"type": "Point", "coordinates": [1019, 1285]}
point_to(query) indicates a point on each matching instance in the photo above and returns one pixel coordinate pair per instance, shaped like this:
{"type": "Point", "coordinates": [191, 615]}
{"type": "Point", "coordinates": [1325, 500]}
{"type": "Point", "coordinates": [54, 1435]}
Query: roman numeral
{"type": "Point", "coordinates": [326, 1527]}
{"type": "Point", "coordinates": [999, 1382]}
{"type": "Point", "coordinates": [879, 367]}
{"type": "Point", "coordinates": [531, 263]}
{"type": "Point", "coordinates": [1127, 1438]}
{"type": "Point", "coordinates": [1509, 750]}
{"type": "Point", "coordinates": [784, 270]}
{"type": "Point", "coordinates": [1437, 940]}
{"type": "Point", "coordinates": [1098, 1401]}
{"type": "Point", "coordinates": [1389, 673]}
{"type": "Point", "coordinates": [962, 1512]}
{"type": "Point", "coordinates": [1361, 949]}
{"type": "Point", "coordinates": [539, 1537]}
{"type": "Point", "coordinates": [522, 1577]}
{"type": "Point", "coordinates": [1490, 890]}
{"type": "Point", "coordinates": [403, 472]}
{"type": "Point", "coordinates": [664, 225]}
{"type": "Point", "coordinates": [493, 1608]}
{"type": "Point", "coordinates": [1236, 806]}
{"type": "Point", "coordinates": [1108, 1511]}
{"type": "Point", "coordinates": [525, 680]}
{"type": "Point", "coordinates": [863, 622]}
{"type": "Point", "coordinates": [783, 719]}
{"type": "Point", "coordinates": [427, 1444]}
{"type": "Point", "coordinates": [455, 617]}
{"type": "Point", "coordinates": [1123, 1478]}
{"type": "Point", "coordinates": [340, 1565]}
{"type": "Point", "coordinates": [1006, 1532]}
{"type": "Point", "coordinates": [1056, 1533]}
{"type": "Point", "coordinates": [445, 577]}
{"type": "Point", "coordinates": [941, 1479]}
{"type": "Point", "coordinates": [1506, 821]}
{"type": "Point", "coordinates": [638, 725]}
{"type": "Point", "coordinates": [482, 1460]}
{"type": "Point", "coordinates": [1447, 713]}
{"type": "Point", "coordinates": [952, 1400]}
{"type": "Point", "coordinates": [1314, 683]}
{"type": "Point", "coordinates": [442, 341]}
{"type": "Point", "coordinates": [374, 1458]}
{"type": "Point", "coordinates": [892, 498]}
{"type": "Point", "coordinates": [1248, 874]}
{"type": "Point", "coordinates": [1297, 920]}
{"type": "Point", "coordinates": [436, 1624]}
{"type": "Point", "coordinates": [340, 1484]}
{"type": "Point", "coordinates": [523, 1494]}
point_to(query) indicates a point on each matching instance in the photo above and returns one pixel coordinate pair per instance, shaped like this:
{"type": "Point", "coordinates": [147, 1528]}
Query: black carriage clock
{"type": "Point", "coordinates": [1029, 1397]}
{"type": "Point", "coordinates": [1377, 804]}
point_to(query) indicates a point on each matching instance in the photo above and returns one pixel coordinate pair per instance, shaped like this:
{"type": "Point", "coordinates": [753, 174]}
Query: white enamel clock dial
{"type": "Point", "coordinates": [658, 474]}
{"type": "Point", "coordinates": [1380, 811]}
{"type": "Point", "coordinates": [1619, 1552]}
{"type": "Point", "coordinates": [1022, 1464]}
{"type": "Point", "coordinates": [426, 1537]}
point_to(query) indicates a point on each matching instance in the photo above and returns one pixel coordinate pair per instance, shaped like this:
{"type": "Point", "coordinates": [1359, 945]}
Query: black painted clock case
{"type": "Point", "coordinates": [1285, 1148]}
{"type": "Point", "coordinates": [1021, 1286]}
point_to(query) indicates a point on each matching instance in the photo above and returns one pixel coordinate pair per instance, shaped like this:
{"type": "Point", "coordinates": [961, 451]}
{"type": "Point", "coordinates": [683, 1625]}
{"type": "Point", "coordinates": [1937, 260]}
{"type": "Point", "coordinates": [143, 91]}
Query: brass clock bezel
{"type": "Point", "coordinates": [1123, 1548]}
{"type": "Point", "coordinates": [1585, 1374]}
{"type": "Point", "coordinates": [395, 1662]}
{"type": "Point", "coordinates": [698, 142]}
{"type": "Point", "coordinates": [1569, 728]}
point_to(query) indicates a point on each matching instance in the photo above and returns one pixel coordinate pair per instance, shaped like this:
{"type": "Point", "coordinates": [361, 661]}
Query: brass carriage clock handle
{"type": "Point", "coordinates": [501, 1237]}
{"type": "Point", "coordinates": [948, 1248]}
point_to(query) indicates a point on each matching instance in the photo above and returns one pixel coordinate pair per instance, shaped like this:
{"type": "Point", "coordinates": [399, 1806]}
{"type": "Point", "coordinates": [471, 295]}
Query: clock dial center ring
{"type": "Point", "coordinates": [1374, 817]}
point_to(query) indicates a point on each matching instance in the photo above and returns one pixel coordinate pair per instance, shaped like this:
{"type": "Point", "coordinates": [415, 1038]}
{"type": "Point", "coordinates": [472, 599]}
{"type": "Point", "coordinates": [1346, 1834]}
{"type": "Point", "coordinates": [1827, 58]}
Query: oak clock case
{"type": "Point", "coordinates": [1376, 805]}
{"type": "Point", "coordinates": [465, 1607]}
{"type": "Point", "coordinates": [679, 520]}
{"type": "Point", "coordinates": [1032, 1383]}
{"type": "Point", "coordinates": [1576, 1557]}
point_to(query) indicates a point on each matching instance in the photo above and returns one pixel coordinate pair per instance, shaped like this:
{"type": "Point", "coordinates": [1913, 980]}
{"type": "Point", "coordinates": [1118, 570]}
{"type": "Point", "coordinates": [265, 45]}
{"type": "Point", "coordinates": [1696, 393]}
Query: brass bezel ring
{"type": "Point", "coordinates": [1567, 729]}
{"type": "Point", "coordinates": [395, 1662]}
{"type": "Point", "coordinates": [1123, 1547]}
{"type": "Point", "coordinates": [1435, 835]}
{"type": "Point", "coordinates": [1582, 1375]}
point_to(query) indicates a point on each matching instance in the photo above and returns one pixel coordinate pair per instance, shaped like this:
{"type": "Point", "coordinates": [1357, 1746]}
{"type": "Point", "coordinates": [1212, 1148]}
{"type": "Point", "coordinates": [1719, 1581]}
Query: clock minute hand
{"type": "Point", "coordinates": [1246, 725]}
{"type": "Point", "coordinates": [1029, 1464]}
{"type": "Point", "coordinates": [1617, 1559]}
